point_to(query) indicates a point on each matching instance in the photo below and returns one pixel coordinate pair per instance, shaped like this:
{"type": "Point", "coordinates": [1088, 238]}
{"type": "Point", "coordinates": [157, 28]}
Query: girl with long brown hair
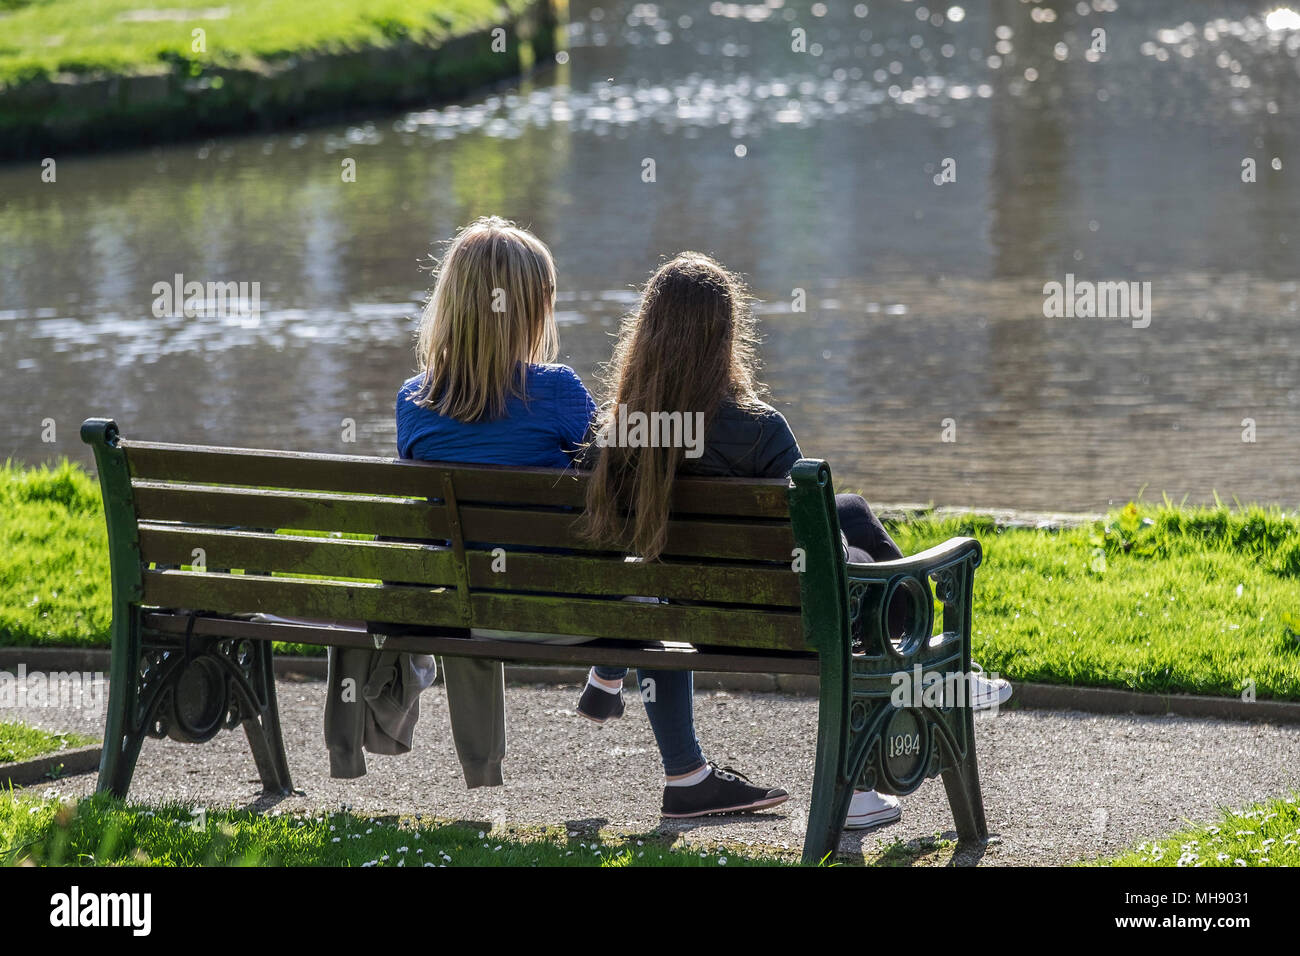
{"type": "Point", "coordinates": [690, 348]}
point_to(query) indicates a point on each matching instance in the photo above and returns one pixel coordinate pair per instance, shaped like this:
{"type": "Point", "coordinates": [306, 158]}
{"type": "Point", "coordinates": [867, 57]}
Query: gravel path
{"type": "Point", "coordinates": [1058, 787]}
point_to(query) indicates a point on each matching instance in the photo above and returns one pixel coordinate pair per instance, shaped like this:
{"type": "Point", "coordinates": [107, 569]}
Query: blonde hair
{"type": "Point", "coordinates": [491, 313]}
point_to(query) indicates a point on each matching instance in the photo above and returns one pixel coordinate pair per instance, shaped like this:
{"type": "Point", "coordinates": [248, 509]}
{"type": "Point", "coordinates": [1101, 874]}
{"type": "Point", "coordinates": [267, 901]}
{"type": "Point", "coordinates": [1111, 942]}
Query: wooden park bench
{"type": "Point", "coordinates": [754, 574]}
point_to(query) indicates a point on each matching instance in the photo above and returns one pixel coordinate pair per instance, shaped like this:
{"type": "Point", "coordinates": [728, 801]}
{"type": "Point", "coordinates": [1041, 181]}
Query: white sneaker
{"type": "Point", "coordinates": [870, 809]}
{"type": "Point", "coordinates": [986, 694]}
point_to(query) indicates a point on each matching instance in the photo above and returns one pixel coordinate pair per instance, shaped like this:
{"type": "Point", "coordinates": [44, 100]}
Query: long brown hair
{"type": "Point", "coordinates": [689, 346]}
{"type": "Point", "coordinates": [492, 311]}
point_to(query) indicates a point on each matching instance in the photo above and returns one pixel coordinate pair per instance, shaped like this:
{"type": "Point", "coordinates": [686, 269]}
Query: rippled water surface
{"type": "Point", "coordinates": [810, 171]}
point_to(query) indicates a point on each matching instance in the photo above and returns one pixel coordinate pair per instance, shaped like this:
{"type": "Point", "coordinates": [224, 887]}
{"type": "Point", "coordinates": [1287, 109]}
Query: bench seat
{"type": "Point", "coordinates": [203, 540]}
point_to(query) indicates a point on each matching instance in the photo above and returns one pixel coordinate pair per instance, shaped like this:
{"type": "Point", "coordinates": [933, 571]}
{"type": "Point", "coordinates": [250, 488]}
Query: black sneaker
{"type": "Point", "coordinates": [600, 705]}
{"type": "Point", "coordinates": [723, 791]}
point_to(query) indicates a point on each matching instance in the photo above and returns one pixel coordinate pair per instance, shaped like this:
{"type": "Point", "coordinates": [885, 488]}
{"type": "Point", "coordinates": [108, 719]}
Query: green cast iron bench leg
{"type": "Point", "coordinates": [831, 792]}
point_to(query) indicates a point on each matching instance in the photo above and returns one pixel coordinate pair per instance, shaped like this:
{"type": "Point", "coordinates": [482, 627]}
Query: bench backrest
{"type": "Point", "coordinates": [204, 517]}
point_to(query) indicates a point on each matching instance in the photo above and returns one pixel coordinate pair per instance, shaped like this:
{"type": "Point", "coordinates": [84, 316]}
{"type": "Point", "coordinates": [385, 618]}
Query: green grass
{"type": "Point", "coordinates": [53, 558]}
{"type": "Point", "coordinates": [1155, 598]}
{"type": "Point", "coordinates": [1266, 834]}
{"type": "Point", "coordinates": [102, 831]}
{"type": "Point", "coordinates": [19, 742]}
{"type": "Point", "coordinates": [45, 37]}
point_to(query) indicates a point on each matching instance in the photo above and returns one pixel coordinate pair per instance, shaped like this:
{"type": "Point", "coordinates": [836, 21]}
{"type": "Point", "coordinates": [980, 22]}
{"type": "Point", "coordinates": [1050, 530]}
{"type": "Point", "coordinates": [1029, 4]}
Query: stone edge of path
{"type": "Point", "coordinates": [1006, 517]}
{"type": "Point", "coordinates": [1096, 700]}
{"type": "Point", "coordinates": [27, 772]}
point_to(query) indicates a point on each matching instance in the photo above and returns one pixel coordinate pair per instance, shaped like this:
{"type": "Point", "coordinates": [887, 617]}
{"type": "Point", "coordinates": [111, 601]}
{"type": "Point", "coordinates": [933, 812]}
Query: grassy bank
{"type": "Point", "coordinates": [1267, 834]}
{"type": "Point", "coordinates": [100, 831]}
{"type": "Point", "coordinates": [1154, 598]}
{"type": "Point", "coordinates": [42, 39]}
{"type": "Point", "coordinates": [88, 72]}
{"type": "Point", "coordinates": [20, 742]}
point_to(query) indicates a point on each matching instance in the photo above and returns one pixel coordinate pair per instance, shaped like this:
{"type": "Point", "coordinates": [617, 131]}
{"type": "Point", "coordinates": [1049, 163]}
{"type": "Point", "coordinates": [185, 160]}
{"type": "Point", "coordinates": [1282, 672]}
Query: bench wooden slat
{"type": "Point", "coordinates": [328, 600]}
{"type": "Point", "coordinates": [289, 597]}
{"type": "Point", "coordinates": [688, 539]}
{"type": "Point", "coordinates": [723, 497]}
{"type": "Point", "coordinates": [628, 620]}
{"type": "Point", "coordinates": [474, 484]}
{"type": "Point", "coordinates": [333, 557]}
{"type": "Point", "coordinates": [248, 508]}
{"type": "Point", "coordinates": [583, 574]}
{"type": "Point", "coordinates": [667, 658]}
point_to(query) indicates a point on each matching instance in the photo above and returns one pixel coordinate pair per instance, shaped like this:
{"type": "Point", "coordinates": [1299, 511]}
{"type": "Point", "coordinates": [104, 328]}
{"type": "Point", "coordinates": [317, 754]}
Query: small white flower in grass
{"type": "Point", "coordinates": [639, 843]}
{"type": "Point", "coordinates": [572, 833]}
{"type": "Point", "coordinates": [495, 848]}
{"type": "Point", "coordinates": [371, 830]}
{"type": "Point", "coordinates": [384, 858]}
{"type": "Point", "coordinates": [642, 853]}
{"type": "Point", "coordinates": [419, 852]}
{"type": "Point", "coordinates": [722, 861]}
{"type": "Point", "coordinates": [336, 839]}
{"type": "Point", "coordinates": [1221, 857]}
{"type": "Point", "coordinates": [402, 849]}
{"type": "Point", "coordinates": [481, 834]}
{"type": "Point", "coordinates": [431, 864]}
{"type": "Point", "coordinates": [1240, 862]}
{"type": "Point", "coordinates": [31, 810]}
{"type": "Point", "coordinates": [371, 863]}
{"type": "Point", "coordinates": [331, 828]}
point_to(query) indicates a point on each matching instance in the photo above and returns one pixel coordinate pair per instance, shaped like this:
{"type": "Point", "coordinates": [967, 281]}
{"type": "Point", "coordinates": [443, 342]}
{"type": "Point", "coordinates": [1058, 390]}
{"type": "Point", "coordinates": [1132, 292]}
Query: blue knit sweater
{"type": "Point", "coordinates": [544, 431]}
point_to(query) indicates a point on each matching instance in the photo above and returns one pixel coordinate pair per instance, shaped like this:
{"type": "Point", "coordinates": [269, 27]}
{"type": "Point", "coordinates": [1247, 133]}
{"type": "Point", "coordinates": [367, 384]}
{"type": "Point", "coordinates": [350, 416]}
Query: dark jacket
{"type": "Point", "coordinates": [745, 443]}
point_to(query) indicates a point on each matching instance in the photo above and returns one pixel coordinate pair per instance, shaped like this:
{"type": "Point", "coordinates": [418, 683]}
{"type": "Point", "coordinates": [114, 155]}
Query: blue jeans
{"type": "Point", "coordinates": [671, 710]}
{"type": "Point", "coordinates": [671, 713]}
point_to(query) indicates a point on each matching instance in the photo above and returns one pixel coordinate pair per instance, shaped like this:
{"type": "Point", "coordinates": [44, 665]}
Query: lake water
{"type": "Point", "coordinates": [812, 171]}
